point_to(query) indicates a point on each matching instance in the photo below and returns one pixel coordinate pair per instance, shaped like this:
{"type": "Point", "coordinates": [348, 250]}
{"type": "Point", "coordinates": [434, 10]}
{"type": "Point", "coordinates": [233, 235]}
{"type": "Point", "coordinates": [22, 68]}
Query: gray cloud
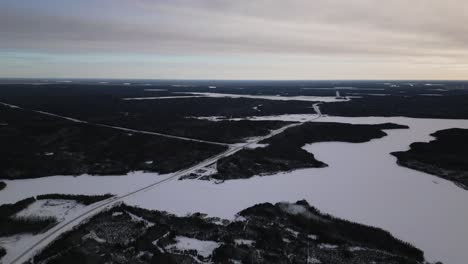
{"type": "Point", "coordinates": [210, 27]}
{"type": "Point", "coordinates": [418, 32]}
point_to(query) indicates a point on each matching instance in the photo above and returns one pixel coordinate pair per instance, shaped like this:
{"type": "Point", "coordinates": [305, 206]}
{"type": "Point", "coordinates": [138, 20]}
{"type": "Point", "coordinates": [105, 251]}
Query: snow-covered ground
{"type": "Point", "coordinates": [363, 183]}
{"type": "Point", "coordinates": [14, 245]}
{"type": "Point", "coordinates": [51, 208]}
{"type": "Point", "coordinates": [267, 97]}
{"type": "Point", "coordinates": [62, 210]}
{"type": "Point", "coordinates": [155, 90]}
{"type": "Point", "coordinates": [291, 118]}
{"type": "Point", "coordinates": [343, 88]}
{"type": "Point", "coordinates": [203, 248]}
{"type": "Point", "coordinates": [257, 145]}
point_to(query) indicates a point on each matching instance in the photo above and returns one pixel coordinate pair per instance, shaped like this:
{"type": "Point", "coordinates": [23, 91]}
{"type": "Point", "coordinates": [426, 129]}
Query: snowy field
{"type": "Point", "coordinates": [363, 183]}
{"type": "Point", "coordinates": [56, 208]}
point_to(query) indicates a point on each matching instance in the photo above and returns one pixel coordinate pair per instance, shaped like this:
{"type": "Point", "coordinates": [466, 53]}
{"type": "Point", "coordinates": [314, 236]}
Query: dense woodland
{"type": "Point", "coordinates": [279, 234]}
{"type": "Point", "coordinates": [446, 156]}
{"type": "Point", "coordinates": [12, 225]}
{"type": "Point", "coordinates": [284, 151]}
{"type": "Point", "coordinates": [36, 145]}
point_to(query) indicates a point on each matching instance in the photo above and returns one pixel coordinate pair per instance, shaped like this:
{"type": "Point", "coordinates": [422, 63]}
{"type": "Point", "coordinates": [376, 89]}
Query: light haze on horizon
{"type": "Point", "coordinates": [223, 39]}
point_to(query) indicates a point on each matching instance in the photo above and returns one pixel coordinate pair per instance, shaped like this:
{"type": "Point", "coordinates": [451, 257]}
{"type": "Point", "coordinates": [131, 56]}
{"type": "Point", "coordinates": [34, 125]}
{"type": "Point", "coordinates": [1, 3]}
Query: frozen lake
{"type": "Point", "coordinates": [363, 183]}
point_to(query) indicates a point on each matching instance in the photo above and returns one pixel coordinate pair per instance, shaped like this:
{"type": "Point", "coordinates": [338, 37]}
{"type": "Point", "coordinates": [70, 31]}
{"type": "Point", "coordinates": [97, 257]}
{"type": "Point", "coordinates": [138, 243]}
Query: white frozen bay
{"type": "Point", "coordinates": [85, 184]}
{"type": "Point", "coordinates": [363, 183]}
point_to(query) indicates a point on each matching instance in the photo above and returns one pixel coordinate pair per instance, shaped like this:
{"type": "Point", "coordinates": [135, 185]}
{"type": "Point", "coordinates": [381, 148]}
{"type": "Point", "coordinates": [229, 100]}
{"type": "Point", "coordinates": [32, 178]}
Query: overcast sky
{"type": "Point", "coordinates": [227, 39]}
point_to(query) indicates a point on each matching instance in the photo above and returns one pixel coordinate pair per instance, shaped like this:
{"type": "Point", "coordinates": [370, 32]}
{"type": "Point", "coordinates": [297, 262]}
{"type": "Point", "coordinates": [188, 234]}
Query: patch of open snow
{"type": "Point", "coordinates": [14, 245]}
{"type": "Point", "coordinates": [246, 242]}
{"type": "Point", "coordinates": [312, 260]}
{"type": "Point", "coordinates": [51, 208]}
{"type": "Point", "coordinates": [431, 94]}
{"type": "Point", "coordinates": [18, 244]}
{"type": "Point", "coordinates": [49, 154]}
{"type": "Point", "coordinates": [212, 87]}
{"type": "Point", "coordinates": [293, 232]}
{"type": "Point", "coordinates": [343, 88]}
{"type": "Point", "coordinates": [313, 237]}
{"type": "Point", "coordinates": [327, 246]}
{"type": "Point", "coordinates": [352, 249]}
{"type": "Point", "coordinates": [257, 145]}
{"type": "Point", "coordinates": [240, 218]}
{"type": "Point", "coordinates": [157, 240]}
{"type": "Point", "coordinates": [209, 118]}
{"type": "Point", "coordinates": [160, 97]}
{"type": "Point", "coordinates": [434, 84]}
{"type": "Point", "coordinates": [370, 94]}
{"type": "Point", "coordinates": [297, 209]}
{"type": "Point", "coordinates": [149, 162]}
{"type": "Point", "coordinates": [155, 90]}
{"type": "Point", "coordinates": [204, 248]}
{"type": "Point", "coordinates": [290, 118]}
{"type": "Point", "coordinates": [137, 218]}
{"type": "Point", "coordinates": [181, 85]}
{"type": "Point", "coordinates": [92, 235]}
{"type": "Point", "coordinates": [439, 90]}
{"type": "Point", "coordinates": [117, 213]}
{"type": "Point", "coordinates": [144, 253]}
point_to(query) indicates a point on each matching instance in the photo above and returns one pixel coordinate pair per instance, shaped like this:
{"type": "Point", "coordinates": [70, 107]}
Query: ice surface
{"type": "Point", "coordinates": [84, 184]}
